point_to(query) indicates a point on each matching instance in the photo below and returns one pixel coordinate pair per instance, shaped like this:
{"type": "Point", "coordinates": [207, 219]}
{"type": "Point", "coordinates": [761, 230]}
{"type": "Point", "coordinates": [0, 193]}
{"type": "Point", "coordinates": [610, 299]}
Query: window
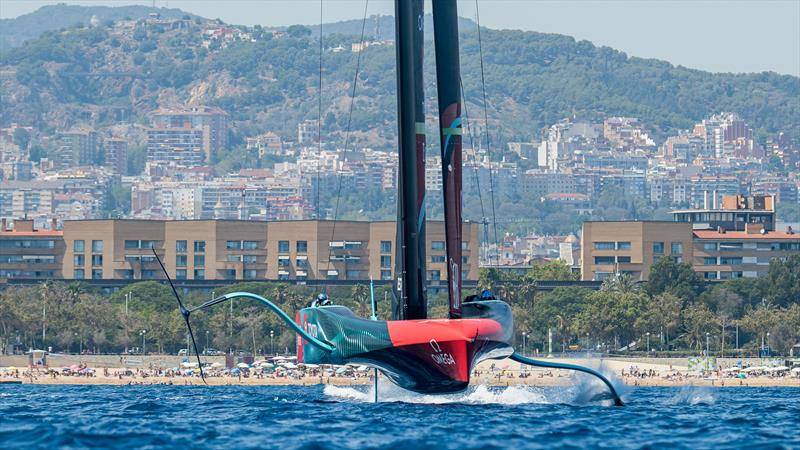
{"type": "Point", "coordinates": [283, 246]}
{"type": "Point", "coordinates": [676, 248]}
{"type": "Point", "coordinates": [301, 263]}
{"type": "Point", "coordinates": [250, 245]}
{"type": "Point", "coordinates": [126, 274]}
{"type": "Point", "coordinates": [199, 260]}
{"type": "Point", "coordinates": [199, 274]}
{"type": "Point", "coordinates": [729, 261]}
{"type": "Point", "coordinates": [386, 262]}
{"type": "Point", "coordinates": [234, 258]}
{"type": "Point", "coordinates": [180, 274]}
{"type": "Point", "coordinates": [97, 246]}
{"type": "Point", "coordinates": [283, 262]}
{"type": "Point", "coordinates": [78, 245]}
{"type": "Point", "coordinates": [723, 246]}
{"type": "Point", "coordinates": [677, 259]}
{"type": "Point", "coordinates": [623, 245]}
{"type": "Point", "coordinates": [464, 245]}
{"type": "Point", "coordinates": [97, 274]}
{"type": "Point", "coordinates": [285, 276]}
{"type": "Point", "coordinates": [710, 275]}
{"type": "Point", "coordinates": [386, 274]}
{"type": "Point", "coordinates": [352, 245]}
{"type": "Point", "coordinates": [437, 258]}
{"type": "Point", "coordinates": [710, 261]}
{"type": "Point", "coordinates": [302, 246]}
{"type": "Point", "coordinates": [353, 274]}
{"type": "Point", "coordinates": [604, 260]}
{"type": "Point", "coordinates": [710, 247]}
{"type": "Point", "coordinates": [147, 244]}
{"type": "Point", "coordinates": [131, 244]}
{"type": "Point", "coordinates": [149, 274]}
{"type": "Point", "coordinates": [97, 260]}
{"type": "Point", "coordinates": [230, 274]}
{"type": "Point", "coordinates": [464, 260]}
{"type": "Point", "coordinates": [604, 246]}
{"type": "Point", "coordinates": [234, 245]}
{"type": "Point", "coordinates": [435, 275]}
{"type": "Point", "coordinates": [386, 246]}
{"type": "Point", "coordinates": [180, 246]}
{"type": "Point", "coordinates": [658, 247]}
{"type": "Point", "coordinates": [250, 274]}
{"type": "Point", "coordinates": [181, 260]}
{"type": "Point", "coordinates": [78, 274]}
{"type": "Point", "coordinates": [78, 260]}
{"type": "Point", "coordinates": [437, 245]}
{"type": "Point", "coordinates": [623, 259]}
{"type": "Point", "coordinates": [249, 259]}
{"type": "Point", "coordinates": [199, 246]}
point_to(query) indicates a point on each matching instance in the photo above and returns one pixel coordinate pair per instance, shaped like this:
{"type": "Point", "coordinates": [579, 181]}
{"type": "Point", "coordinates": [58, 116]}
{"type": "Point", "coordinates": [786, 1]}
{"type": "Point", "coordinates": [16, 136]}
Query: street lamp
{"type": "Point", "coordinates": [708, 335]}
{"type": "Point", "coordinates": [206, 341]}
{"type": "Point", "coordinates": [144, 342]}
{"type": "Point", "coordinates": [648, 342]}
{"type": "Point", "coordinates": [524, 336]}
{"type": "Point", "coordinates": [769, 348]}
{"type": "Point", "coordinates": [128, 297]}
{"type": "Point", "coordinates": [271, 347]}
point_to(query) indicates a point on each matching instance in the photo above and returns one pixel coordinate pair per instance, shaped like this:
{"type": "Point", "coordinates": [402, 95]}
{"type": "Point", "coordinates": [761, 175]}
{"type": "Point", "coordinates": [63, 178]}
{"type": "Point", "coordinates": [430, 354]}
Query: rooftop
{"type": "Point", "coordinates": [772, 235]}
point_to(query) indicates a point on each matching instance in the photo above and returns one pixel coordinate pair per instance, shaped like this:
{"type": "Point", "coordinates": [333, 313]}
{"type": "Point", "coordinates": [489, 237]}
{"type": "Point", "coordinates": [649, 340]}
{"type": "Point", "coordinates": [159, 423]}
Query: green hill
{"type": "Point", "coordinates": [14, 32]}
{"type": "Point", "coordinates": [99, 75]}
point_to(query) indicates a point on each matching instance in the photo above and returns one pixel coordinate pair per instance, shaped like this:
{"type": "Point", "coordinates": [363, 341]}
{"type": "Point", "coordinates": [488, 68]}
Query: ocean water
{"type": "Point", "coordinates": [291, 417]}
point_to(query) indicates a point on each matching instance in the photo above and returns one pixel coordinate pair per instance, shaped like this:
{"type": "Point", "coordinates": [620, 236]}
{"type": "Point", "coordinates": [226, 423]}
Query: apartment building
{"type": "Point", "coordinates": [737, 240]}
{"type": "Point", "coordinates": [296, 251]}
{"type": "Point", "coordinates": [210, 122]}
{"type": "Point", "coordinates": [26, 252]}
{"type": "Point", "coordinates": [631, 247]}
{"type": "Point", "coordinates": [722, 255]}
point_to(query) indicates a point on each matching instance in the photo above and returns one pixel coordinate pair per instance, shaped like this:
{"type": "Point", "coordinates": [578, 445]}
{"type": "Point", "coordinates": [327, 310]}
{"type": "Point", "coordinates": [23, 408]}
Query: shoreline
{"type": "Point", "coordinates": [671, 372]}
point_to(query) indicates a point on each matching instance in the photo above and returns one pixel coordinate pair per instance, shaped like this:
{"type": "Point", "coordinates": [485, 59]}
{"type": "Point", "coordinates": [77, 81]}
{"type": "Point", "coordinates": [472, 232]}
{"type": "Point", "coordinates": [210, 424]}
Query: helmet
{"type": "Point", "coordinates": [486, 295]}
{"type": "Point", "coordinates": [322, 300]}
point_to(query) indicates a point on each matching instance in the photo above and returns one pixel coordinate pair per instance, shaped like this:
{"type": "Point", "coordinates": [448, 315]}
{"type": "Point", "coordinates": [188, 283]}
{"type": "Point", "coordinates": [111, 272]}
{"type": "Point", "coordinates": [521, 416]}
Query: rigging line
{"type": "Point", "coordinates": [319, 111]}
{"type": "Point", "coordinates": [347, 136]}
{"type": "Point", "coordinates": [486, 126]}
{"type": "Point", "coordinates": [472, 148]}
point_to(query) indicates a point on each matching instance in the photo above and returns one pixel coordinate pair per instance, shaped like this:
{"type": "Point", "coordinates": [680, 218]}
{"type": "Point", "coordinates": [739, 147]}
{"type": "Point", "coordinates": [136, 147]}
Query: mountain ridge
{"type": "Point", "coordinates": [532, 81]}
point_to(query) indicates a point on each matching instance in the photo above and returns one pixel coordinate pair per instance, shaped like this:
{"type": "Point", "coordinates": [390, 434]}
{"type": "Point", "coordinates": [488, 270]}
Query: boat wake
{"type": "Point", "coordinates": [476, 395]}
{"type": "Point", "coordinates": [693, 396]}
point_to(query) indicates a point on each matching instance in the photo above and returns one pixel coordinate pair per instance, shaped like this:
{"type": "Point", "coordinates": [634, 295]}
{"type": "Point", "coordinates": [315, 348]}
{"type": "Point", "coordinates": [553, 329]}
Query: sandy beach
{"type": "Point", "coordinates": [115, 370]}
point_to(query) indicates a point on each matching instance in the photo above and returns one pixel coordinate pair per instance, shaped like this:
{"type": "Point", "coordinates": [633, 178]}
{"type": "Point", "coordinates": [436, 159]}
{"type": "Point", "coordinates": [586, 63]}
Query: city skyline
{"type": "Point", "coordinates": [742, 30]}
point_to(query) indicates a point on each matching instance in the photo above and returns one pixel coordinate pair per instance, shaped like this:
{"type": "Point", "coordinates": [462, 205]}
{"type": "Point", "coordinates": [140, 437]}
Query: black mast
{"type": "Point", "coordinates": [409, 299]}
{"type": "Point", "coordinates": [448, 85]}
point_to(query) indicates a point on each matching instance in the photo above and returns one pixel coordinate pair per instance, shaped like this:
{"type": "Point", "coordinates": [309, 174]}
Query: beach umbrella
{"type": "Point", "coordinates": [243, 366]}
{"type": "Point", "coordinates": [796, 370]}
{"type": "Point", "coordinates": [188, 365]}
{"type": "Point", "coordinates": [235, 371]}
{"type": "Point", "coordinates": [216, 365]}
{"type": "Point", "coordinates": [341, 370]}
{"type": "Point", "coordinates": [74, 367]}
{"type": "Point", "coordinates": [291, 358]}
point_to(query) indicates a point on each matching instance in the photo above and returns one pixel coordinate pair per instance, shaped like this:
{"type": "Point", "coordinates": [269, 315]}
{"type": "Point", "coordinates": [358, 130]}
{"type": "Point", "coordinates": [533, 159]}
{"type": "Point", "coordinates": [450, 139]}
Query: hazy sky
{"type": "Point", "coordinates": [716, 35]}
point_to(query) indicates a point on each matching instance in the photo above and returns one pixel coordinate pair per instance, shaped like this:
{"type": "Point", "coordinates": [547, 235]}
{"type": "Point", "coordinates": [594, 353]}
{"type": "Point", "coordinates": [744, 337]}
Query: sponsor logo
{"type": "Point", "coordinates": [439, 357]}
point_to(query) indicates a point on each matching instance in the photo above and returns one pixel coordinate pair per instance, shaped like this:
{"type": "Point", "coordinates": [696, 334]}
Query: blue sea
{"type": "Point", "coordinates": [290, 417]}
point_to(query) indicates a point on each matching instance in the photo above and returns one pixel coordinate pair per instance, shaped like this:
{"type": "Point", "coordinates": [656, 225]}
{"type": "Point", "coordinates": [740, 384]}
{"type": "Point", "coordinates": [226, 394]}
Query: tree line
{"type": "Point", "coordinates": [675, 310]}
{"type": "Point", "coordinates": [676, 307]}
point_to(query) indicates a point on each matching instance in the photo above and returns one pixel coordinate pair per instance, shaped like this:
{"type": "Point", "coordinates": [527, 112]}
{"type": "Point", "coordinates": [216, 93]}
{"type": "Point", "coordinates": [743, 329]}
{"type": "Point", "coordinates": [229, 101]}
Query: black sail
{"type": "Point", "coordinates": [409, 299]}
{"type": "Point", "coordinates": [445, 29]}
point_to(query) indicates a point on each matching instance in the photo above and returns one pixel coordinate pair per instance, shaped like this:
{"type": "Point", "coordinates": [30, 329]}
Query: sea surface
{"type": "Point", "coordinates": [292, 417]}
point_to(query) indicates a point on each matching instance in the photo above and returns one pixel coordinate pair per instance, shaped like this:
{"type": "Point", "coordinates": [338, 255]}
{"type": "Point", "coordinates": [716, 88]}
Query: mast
{"type": "Point", "coordinates": [448, 85]}
{"type": "Point", "coordinates": [409, 299]}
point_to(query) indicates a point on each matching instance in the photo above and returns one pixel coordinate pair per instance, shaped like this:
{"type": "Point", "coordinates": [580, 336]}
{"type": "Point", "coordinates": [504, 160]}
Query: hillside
{"type": "Point", "coordinates": [14, 32]}
{"type": "Point", "coordinates": [100, 75]}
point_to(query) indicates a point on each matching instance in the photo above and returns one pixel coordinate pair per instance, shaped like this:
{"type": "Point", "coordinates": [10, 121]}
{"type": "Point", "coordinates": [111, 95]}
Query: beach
{"type": "Point", "coordinates": [149, 370]}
